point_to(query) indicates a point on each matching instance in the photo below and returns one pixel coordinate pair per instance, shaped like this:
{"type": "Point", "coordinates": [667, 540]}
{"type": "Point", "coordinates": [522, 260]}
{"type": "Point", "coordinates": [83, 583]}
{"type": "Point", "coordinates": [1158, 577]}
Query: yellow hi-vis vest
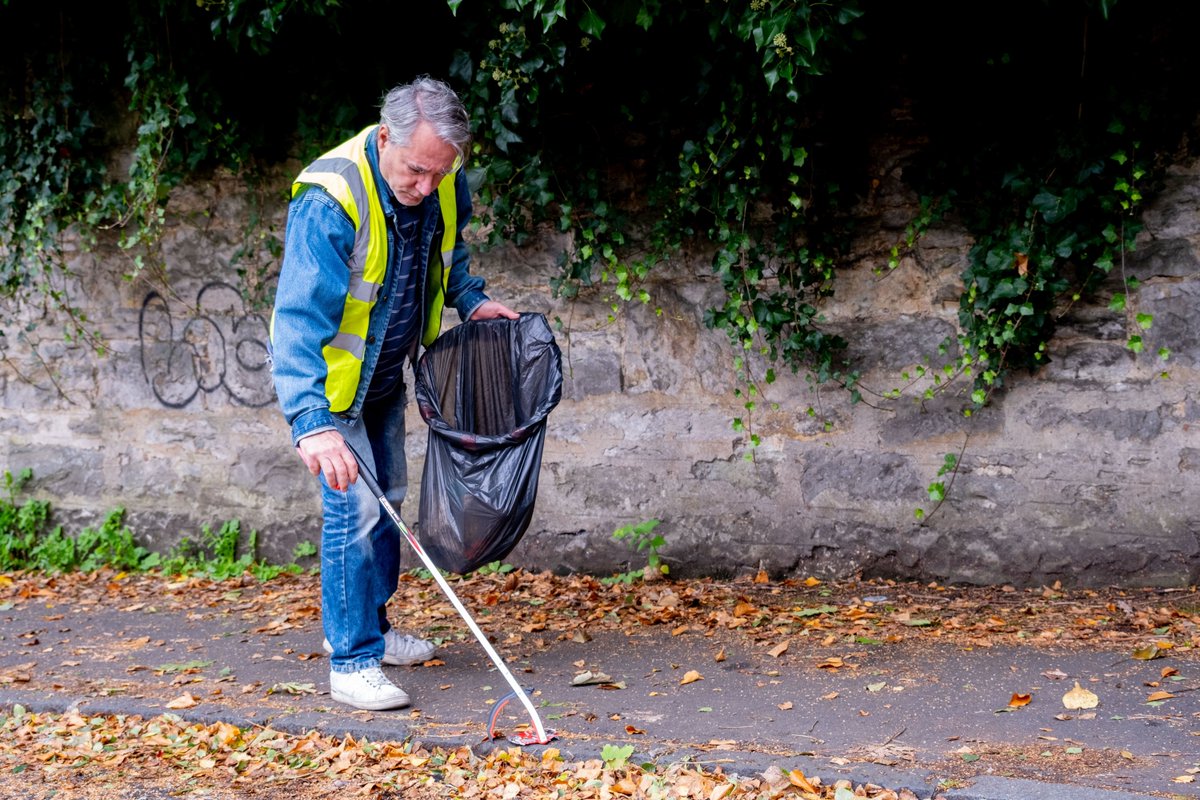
{"type": "Point", "coordinates": [345, 173]}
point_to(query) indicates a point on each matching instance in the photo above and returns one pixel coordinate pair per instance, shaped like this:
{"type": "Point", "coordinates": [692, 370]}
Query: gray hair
{"type": "Point", "coordinates": [426, 100]}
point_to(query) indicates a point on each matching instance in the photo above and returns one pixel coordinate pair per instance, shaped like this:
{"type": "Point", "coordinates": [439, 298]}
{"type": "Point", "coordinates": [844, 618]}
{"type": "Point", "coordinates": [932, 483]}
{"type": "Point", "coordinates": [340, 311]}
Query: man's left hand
{"type": "Point", "coordinates": [493, 310]}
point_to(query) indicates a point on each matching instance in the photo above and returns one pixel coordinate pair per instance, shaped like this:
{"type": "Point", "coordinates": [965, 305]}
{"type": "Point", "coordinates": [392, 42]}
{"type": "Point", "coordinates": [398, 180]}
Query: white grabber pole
{"type": "Point", "coordinates": [373, 485]}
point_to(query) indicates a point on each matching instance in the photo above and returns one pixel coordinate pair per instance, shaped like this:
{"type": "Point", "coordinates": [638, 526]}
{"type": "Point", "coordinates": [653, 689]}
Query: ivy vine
{"type": "Point", "coordinates": [1052, 211]}
{"type": "Point", "coordinates": [59, 193]}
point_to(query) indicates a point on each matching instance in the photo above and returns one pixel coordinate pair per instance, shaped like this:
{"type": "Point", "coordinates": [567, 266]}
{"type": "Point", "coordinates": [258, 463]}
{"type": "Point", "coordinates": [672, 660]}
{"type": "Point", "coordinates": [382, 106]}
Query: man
{"type": "Point", "coordinates": [372, 251]}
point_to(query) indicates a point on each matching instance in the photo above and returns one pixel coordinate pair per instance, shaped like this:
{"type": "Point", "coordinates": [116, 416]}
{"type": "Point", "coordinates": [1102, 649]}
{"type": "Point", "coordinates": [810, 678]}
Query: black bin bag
{"type": "Point", "coordinates": [484, 389]}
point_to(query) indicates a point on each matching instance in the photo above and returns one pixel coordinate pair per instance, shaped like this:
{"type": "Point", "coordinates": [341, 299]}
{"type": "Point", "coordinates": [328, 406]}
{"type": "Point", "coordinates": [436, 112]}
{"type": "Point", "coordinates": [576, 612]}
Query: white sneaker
{"type": "Point", "coordinates": [401, 651]}
{"type": "Point", "coordinates": [368, 688]}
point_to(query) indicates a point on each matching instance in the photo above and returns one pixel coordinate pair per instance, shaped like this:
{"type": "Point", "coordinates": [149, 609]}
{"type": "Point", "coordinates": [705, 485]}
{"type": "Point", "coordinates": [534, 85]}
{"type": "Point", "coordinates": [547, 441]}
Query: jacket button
{"type": "Point", "coordinates": [370, 340]}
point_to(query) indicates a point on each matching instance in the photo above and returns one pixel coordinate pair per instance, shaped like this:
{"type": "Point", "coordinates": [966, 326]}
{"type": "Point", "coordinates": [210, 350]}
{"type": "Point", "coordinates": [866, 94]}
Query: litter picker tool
{"type": "Point", "coordinates": [539, 734]}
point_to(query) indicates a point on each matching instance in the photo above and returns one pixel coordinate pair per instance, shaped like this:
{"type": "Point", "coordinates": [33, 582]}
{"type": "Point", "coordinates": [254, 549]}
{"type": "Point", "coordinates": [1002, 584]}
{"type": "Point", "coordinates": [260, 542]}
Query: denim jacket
{"type": "Point", "coordinates": [314, 279]}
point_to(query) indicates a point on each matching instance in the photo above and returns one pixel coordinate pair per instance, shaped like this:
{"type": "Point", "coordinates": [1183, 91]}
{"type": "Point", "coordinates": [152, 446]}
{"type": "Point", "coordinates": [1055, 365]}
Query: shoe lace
{"type": "Point", "coordinates": [376, 679]}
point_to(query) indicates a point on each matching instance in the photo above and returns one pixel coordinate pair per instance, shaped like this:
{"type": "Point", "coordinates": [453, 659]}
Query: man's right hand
{"type": "Point", "coordinates": [326, 452]}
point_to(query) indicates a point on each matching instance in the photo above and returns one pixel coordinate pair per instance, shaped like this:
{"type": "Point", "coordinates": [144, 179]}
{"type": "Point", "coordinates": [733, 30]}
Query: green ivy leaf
{"type": "Point", "coordinates": [591, 24]}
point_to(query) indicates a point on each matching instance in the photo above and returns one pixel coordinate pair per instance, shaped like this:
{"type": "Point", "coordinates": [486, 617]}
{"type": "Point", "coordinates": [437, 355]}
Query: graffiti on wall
{"type": "Point", "coordinates": [219, 345]}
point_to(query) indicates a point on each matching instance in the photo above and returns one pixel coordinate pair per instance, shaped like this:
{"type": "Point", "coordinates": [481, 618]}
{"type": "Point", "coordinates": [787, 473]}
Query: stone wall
{"type": "Point", "coordinates": [1081, 473]}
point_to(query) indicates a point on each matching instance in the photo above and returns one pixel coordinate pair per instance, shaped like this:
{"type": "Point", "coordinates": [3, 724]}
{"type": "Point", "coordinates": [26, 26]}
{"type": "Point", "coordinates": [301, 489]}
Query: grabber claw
{"type": "Point", "coordinates": [533, 735]}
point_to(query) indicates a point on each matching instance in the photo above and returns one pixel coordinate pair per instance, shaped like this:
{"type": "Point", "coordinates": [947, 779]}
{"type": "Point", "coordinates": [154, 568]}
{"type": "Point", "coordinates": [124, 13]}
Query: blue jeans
{"type": "Point", "coordinates": [360, 545]}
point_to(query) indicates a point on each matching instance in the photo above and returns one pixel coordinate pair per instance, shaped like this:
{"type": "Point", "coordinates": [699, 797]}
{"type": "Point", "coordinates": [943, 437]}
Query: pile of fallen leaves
{"type": "Point", "coordinates": [872, 611]}
{"type": "Point", "coordinates": [70, 755]}
{"type": "Point", "coordinates": [520, 604]}
{"type": "Point", "coordinates": [93, 754]}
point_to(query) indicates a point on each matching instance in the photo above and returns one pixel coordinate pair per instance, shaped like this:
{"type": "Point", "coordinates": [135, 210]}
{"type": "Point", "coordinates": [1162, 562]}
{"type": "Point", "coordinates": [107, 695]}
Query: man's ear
{"type": "Point", "coordinates": [384, 136]}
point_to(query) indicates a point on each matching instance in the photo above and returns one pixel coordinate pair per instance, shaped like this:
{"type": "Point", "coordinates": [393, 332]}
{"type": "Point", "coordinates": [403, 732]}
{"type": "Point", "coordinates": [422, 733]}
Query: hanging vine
{"type": "Point", "coordinates": [641, 131]}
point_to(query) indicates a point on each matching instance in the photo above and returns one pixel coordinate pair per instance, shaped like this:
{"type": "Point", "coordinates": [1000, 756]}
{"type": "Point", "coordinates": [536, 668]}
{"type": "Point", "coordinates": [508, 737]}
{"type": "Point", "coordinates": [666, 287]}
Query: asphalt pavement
{"type": "Point", "coordinates": [937, 719]}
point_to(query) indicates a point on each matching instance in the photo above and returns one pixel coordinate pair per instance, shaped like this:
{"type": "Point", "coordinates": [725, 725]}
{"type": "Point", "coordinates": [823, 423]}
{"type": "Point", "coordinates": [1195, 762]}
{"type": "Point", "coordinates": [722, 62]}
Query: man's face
{"type": "Point", "coordinates": [413, 171]}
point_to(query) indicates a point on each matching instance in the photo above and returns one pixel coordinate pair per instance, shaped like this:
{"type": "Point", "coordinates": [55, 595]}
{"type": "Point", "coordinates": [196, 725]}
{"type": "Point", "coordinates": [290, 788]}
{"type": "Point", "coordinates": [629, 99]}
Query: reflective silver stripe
{"type": "Point", "coordinates": [348, 170]}
{"type": "Point", "coordinates": [361, 289]}
{"type": "Point", "coordinates": [358, 256]}
{"type": "Point", "coordinates": [335, 164]}
{"type": "Point", "coordinates": [354, 345]}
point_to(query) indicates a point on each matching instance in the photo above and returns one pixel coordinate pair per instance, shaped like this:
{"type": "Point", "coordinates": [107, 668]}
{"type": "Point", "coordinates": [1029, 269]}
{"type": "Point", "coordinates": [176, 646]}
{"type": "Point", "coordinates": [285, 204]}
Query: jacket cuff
{"type": "Point", "coordinates": [469, 303]}
{"type": "Point", "coordinates": [312, 422]}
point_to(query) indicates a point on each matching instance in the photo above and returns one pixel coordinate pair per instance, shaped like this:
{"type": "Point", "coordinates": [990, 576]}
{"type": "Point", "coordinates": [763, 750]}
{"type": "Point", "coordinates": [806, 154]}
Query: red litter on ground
{"type": "Point", "coordinates": [530, 736]}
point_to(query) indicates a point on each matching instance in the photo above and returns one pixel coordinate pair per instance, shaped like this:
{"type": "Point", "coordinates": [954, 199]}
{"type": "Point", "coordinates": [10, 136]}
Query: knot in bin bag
{"type": "Point", "coordinates": [484, 389]}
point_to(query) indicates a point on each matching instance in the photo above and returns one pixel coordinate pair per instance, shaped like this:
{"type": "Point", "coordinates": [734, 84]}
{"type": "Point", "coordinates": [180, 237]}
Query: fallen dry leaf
{"type": "Point", "coordinates": [623, 786]}
{"type": "Point", "coordinates": [744, 609]}
{"type": "Point", "coordinates": [691, 676]}
{"type": "Point", "coordinates": [778, 650]}
{"type": "Point", "coordinates": [291, 687]}
{"type": "Point", "coordinates": [797, 779]}
{"type": "Point", "coordinates": [587, 678]}
{"type": "Point", "coordinates": [1019, 700]}
{"type": "Point", "coordinates": [183, 701]}
{"type": "Point", "coordinates": [1080, 698]}
{"type": "Point", "coordinates": [1159, 695]}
